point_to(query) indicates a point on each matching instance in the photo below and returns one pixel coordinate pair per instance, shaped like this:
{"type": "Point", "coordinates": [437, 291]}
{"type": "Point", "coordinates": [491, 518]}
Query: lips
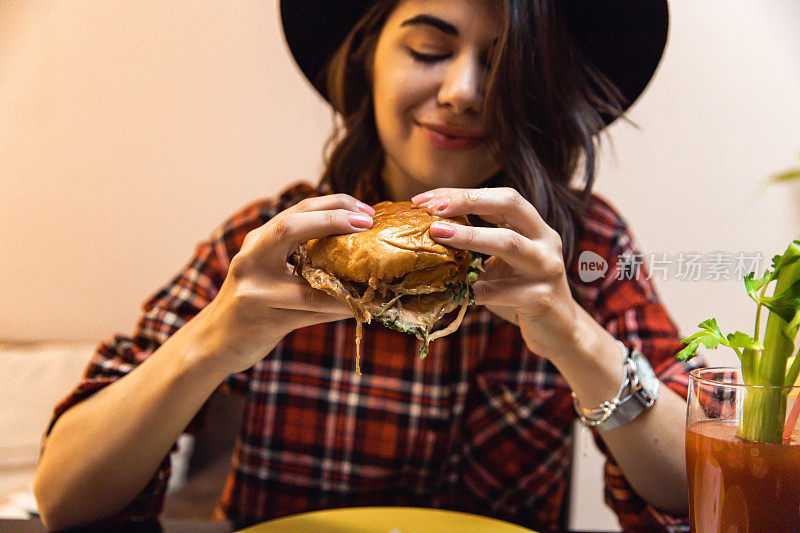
{"type": "Point", "coordinates": [450, 138]}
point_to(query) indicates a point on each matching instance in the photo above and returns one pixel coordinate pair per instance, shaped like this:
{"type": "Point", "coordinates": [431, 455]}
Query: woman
{"type": "Point", "coordinates": [467, 107]}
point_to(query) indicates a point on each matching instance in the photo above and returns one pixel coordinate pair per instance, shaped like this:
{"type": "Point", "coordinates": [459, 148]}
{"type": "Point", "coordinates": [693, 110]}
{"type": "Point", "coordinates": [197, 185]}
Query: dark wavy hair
{"type": "Point", "coordinates": [544, 105]}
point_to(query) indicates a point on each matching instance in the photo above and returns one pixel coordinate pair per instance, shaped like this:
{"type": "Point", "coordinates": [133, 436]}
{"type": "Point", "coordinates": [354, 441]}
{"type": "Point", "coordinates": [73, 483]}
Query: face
{"type": "Point", "coordinates": [428, 85]}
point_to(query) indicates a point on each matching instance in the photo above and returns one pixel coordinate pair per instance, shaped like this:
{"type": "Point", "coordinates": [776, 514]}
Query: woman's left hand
{"type": "Point", "coordinates": [525, 279]}
{"type": "Point", "coordinates": [526, 282]}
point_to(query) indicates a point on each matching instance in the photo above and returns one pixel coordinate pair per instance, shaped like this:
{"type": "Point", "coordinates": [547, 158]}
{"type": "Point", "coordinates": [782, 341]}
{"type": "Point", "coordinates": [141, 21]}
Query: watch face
{"type": "Point", "coordinates": [647, 377]}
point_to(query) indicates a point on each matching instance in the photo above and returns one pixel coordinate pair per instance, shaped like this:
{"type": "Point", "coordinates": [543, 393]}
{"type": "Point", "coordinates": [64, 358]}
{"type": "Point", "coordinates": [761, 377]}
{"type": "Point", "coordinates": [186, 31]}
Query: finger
{"type": "Point", "coordinates": [501, 204]}
{"type": "Point", "coordinates": [331, 201]}
{"type": "Point", "coordinates": [302, 296]}
{"type": "Point", "coordinates": [506, 313]}
{"type": "Point", "coordinates": [495, 268]}
{"type": "Point", "coordinates": [309, 318]}
{"type": "Point", "coordinates": [296, 294]}
{"type": "Point", "coordinates": [516, 294]}
{"type": "Point", "coordinates": [284, 233]}
{"type": "Point", "coordinates": [521, 253]}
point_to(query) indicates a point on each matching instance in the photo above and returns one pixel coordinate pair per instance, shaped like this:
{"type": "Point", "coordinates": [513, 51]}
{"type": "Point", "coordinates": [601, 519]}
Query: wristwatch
{"type": "Point", "coordinates": [638, 393]}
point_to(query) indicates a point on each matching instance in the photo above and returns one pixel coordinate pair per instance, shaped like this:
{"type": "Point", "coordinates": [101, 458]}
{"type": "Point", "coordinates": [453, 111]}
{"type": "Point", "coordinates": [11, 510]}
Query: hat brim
{"type": "Point", "coordinates": [625, 39]}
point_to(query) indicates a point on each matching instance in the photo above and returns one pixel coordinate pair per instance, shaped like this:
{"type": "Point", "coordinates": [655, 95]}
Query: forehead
{"type": "Point", "coordinates": [471, 18]}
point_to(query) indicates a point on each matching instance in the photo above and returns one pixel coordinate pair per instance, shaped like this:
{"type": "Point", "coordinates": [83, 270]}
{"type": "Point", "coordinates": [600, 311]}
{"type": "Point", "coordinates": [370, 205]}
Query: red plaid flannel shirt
{"type": "Point", "coordinates": [481, 425]}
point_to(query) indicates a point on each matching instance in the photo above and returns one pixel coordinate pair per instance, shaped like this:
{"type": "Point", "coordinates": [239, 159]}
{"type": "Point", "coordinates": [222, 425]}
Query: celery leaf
{"type": "Point", "coordinates": [710, 337]}
{"type": "Point", "coordinates": [786, 304]}
{"type": "Point", "coordinates": [753, 284]}
{"type": "Point", "coordinates": [741, 340]}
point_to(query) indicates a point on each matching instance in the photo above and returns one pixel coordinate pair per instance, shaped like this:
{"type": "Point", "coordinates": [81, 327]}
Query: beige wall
{"type": "Point", "coordinates": [128, 131]}
{"type": "Point", "coordinates": [721, 116]}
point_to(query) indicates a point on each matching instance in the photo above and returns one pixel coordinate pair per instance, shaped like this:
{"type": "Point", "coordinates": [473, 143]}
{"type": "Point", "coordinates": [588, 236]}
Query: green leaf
{"type": "Point", "coordinates": [401, 327]}
{"type": "Point", "coordinates": [689, 351]}
{"type": "Point", "coordinates": [786, 176]}
{"type": "Point", "coordinates": [711, 326]}
{"type": "Point", "coordinates": [779, 262]}
{"type": "Point", "coordinates": [712, 341]}
{"type": "Point", "coordinates": [477, 262]}
{"type": "Point", "coordinates": [474, 269]}
{"type": "Point", "coordinates": [699, 336]}
{"type": "Point", "coordinates": [740, 340]}
{"type": "Point", "coordinates": [754, 285]}
{"type": "Point", "coordinates": [710, 337]}
{"type": "Point", "coordinates": [786, 304]}
{"type": "Point", "coordinates": [763, 362]}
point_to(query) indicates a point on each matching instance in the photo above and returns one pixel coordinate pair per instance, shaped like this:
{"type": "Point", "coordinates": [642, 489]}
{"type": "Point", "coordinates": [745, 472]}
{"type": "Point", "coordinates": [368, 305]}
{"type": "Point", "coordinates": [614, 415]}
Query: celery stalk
{"type": "Point", "coordinates": [764, 410]}
{"type": "Point", "coordinates": [794, 370]}
{"type": "Point", "coordinates": [764, 363]}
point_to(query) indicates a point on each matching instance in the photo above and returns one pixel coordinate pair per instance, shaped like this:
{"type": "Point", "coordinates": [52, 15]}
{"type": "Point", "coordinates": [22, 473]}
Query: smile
{"type": "Point", "coordinates": [448, 141]}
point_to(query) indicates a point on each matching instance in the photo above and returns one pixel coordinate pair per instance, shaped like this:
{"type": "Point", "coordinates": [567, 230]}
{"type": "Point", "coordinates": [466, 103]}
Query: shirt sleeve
{"type": "Point", "coordinates": [119, 355]}
{"type": "Point", "coordinates": [625, 302]}
{"type": "Point", "coordinates": [163, 314]}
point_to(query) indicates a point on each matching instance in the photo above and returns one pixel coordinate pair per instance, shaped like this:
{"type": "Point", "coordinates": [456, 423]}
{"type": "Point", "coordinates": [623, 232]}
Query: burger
{"type": "Point", "coordinates": [394, 272]}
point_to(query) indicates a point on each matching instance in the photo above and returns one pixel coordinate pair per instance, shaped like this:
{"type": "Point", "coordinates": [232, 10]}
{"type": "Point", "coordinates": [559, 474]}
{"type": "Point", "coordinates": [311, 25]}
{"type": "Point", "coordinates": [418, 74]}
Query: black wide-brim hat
{"type": "Point", "coordinates": [624, 39]}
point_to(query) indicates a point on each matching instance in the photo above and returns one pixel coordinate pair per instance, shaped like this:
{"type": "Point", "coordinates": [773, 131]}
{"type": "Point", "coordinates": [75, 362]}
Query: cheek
{"type": "Point", "coordinates": [394, 101]}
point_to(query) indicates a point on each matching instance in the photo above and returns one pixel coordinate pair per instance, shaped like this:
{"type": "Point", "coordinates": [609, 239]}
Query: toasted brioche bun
{"type": "Point", "coordinates": [397, 246]}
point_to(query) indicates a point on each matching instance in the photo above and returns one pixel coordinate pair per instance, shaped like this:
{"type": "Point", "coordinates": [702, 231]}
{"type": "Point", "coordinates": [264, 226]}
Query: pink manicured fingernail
{"type": "Point", "coordinates": [442, 229]}
{"type": "Point", "coordinates": [441, 205]}
{"type": "Point", "coordinates": [364, 208]}
{"type": "Point", "coordinates": [358, 220]}
{"type": "Point", "coordinates": [422, 198]}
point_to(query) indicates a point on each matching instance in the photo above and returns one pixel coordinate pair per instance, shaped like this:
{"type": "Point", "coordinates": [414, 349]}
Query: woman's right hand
{"type": "Point", "coordinates": [261, 300]}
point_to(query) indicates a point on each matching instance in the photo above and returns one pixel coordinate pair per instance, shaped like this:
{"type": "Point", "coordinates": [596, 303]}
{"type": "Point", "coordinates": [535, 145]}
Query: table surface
{"type": "Point", "coordinates": [33, 525]}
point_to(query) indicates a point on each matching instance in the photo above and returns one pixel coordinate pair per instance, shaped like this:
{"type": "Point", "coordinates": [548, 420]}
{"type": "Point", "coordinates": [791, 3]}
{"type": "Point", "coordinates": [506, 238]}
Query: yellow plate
{"type": "Point", "coordinates": [385, 520]}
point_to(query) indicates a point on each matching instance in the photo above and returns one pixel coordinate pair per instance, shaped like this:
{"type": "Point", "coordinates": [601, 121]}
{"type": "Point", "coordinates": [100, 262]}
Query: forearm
{"type": "Point", "coordinates": [650, 449]}
{"type": "Point", "coordinates": [103, 451]}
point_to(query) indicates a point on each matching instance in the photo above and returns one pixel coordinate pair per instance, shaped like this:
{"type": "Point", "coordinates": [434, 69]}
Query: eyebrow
{"type": "Point", "coordinates": [437, 23]}
{"type": "Point", "coordinates": [430, 20]}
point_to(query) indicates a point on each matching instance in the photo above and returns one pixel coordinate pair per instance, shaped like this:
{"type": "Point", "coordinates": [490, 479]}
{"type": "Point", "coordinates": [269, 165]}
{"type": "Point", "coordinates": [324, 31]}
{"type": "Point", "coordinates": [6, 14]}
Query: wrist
{"type": "Point", "coordinates": [594, 367]}
{"type": "Point", "coordinates": [217, 344]}
{"type": "Point", "coordinates": [587, 342]}
{"type": "Point", "coordinates": [200, 348]}
{"type": "Point", "coordinates": [638, 392]}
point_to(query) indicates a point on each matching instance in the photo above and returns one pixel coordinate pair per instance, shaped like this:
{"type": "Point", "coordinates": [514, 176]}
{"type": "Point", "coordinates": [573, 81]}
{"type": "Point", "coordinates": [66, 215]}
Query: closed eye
{"type": "Point", "coordinates": [427, 58]}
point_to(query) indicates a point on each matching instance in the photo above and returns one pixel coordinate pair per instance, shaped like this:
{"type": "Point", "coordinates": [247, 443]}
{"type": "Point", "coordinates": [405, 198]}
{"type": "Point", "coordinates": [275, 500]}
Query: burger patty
{"type": "Point", "coordinates": [406, 306]}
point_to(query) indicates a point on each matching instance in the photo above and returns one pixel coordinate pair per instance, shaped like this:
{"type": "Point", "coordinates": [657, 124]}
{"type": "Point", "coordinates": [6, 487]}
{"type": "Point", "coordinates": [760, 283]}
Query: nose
{"type": "Point", "coordinates": [462, 86]}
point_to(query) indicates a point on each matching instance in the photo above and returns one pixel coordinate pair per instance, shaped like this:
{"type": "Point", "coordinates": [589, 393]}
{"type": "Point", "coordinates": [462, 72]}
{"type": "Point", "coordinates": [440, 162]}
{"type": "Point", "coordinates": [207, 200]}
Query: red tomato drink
{"type": "Point", "coordinates": [737, 486]}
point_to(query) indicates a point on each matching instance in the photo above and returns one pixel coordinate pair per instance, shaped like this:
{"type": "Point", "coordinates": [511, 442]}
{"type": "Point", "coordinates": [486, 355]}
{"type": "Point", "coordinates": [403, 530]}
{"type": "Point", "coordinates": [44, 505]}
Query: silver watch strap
{"type": "Point", "coordinates": [638, 393]}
